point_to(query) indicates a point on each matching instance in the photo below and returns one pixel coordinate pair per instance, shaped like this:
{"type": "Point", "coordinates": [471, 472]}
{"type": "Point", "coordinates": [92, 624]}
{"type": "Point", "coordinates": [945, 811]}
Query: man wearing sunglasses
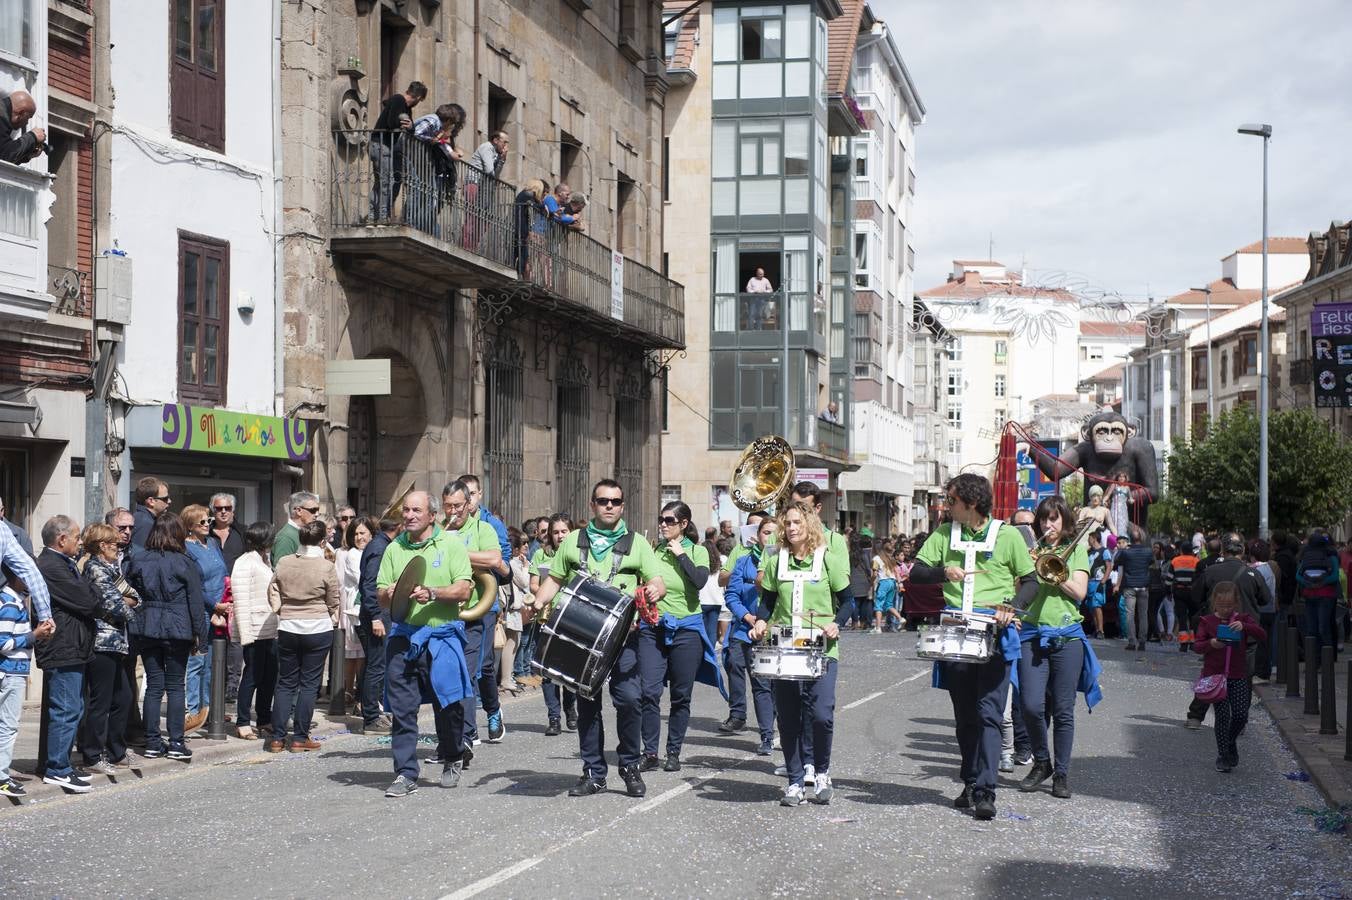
{"type": "Point", "coordinates": [228, 537]}
{"type": "Point", "coordinates": [607, 550]}
{"type": "Point", "coordinates": [152, 498]}
{"type": "Point", "coordinates": [303, 508]}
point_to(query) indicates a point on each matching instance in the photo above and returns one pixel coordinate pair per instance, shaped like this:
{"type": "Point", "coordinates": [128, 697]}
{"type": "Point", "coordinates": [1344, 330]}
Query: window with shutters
{"type": "Point", "coordinates": [197, 71]}
{"type": "Point", "coordinates": [203, 318]}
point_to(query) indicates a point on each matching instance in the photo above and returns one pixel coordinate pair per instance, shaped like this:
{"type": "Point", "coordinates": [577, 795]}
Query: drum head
{"type": "Point", "coordinates": [583, 635]}
{"type": "Point", "coordinates": [401, 597]}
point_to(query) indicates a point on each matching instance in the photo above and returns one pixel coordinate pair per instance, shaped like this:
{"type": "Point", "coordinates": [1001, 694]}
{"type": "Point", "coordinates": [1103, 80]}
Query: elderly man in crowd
{"type": "Point", "coordinates": [303, 508]}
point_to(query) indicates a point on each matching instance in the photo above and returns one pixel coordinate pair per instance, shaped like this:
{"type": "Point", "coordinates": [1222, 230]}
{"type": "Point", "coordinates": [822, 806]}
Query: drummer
{"type": "Point", "coordinates": [1002, 569]}
{"type": "Point", "coordinates": [676, 649]}
{"type": "Point", "coordinates": [559, 527]}
{"type": "Point", "coordinates": [804, 564]}
{"type": "Point", "coordinates": [425, 653]}
{"type": "Point", "coordinates": [606, 549]}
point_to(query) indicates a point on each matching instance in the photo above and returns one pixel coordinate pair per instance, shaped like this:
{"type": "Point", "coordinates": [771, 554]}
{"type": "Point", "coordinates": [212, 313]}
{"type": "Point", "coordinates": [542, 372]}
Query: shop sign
{"type": "Point", "coordinates": [205, 430]}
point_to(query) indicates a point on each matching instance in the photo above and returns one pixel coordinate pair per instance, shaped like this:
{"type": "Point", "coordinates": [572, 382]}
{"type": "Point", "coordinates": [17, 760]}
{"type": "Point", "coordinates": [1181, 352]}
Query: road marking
{"type": "Point", "coordinates": [862, 700]}
{"type": "Point", "coordinates": [495, 879]}
{"type": "Point", "coordinates": [670, 794]}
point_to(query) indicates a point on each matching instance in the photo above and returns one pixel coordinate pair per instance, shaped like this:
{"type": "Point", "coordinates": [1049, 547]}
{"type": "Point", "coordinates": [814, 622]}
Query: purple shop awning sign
{"type": "Point", "coordinates": [206, 430]}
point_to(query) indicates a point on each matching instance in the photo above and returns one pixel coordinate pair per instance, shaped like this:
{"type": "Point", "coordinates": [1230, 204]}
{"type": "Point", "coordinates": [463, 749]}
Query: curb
{"type": "Point", "coordinates": [1332, 776]}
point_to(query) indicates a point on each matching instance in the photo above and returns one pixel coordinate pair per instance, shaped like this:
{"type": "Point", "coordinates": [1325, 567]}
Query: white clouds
{"type": "Point", "coordinates": [1100, 138]}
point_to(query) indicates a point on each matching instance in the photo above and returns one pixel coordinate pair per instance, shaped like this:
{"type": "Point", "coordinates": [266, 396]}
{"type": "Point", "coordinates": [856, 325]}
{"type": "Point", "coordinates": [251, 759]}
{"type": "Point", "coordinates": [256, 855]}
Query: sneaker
{"type": "Point", "coordinates": [649, 763]}
{"type": "Point", "coordinates": [764, 749]}
{"type": "Point", "coordinates": [71, 784]}
{"type": "Point", "coordinates": [776, 743]}
{"type": "Point", "coordinates": [382, 725]}
{"type": "Point", "coordinates": [633, 781]}
{"type": "Point", "coordinates": [496, 729]}
{"type": "Point", "coordinates": [128, 761]}
{"type": "Point", "coordinates": [731, 725]}
{"type": "Point", "coordinates": [1006, 762]}
{"type": "Point", "coordinates": [1024, 758]}
{"type": "Point", "coordinates": [570, 720]}
{"type": "Point", "coordinates": [963, 800]}
{"type": "Point", "coordinates": [553, 730]}
{"type": "Point", "coordinates": [466, 757]}
{"type": "Point", "coordinates": [793, 796]}
{"type": "Point", "coordinates": [586, 786]}
{"type": "Point", "coordinates": [875, 631]}
{"type": "Point", "coordinates": [809, 774]}
{"type": "Point", "coordinates": [1041, 771]}
{"type": "Point", "coordinates": [11, 788]}
{"type": "Point", "coordinates": [1192, 724]}
{"type": "Point", "coordinates": [450, 774]}
{"type": "Point", "coordinates": [1060, 787]}
{"type": "Point", "coordinates": [822, 791]}
{"type": "Point", "coordinates": [673, 763]}
{"type": "Point", "coordinates": [102, 767]}
{"type": "Point", "coordinates": [782, 771]}
{"type": "Point", "coordinates": [179, 751]}
{"type": "Point", "coordinates": [984, 808]}
{"type": "Point", "coordinates": [475, 741]}
{"type": "Point", "coordinates": [153, 752]}
{"type": "Point", "coordinates": [401, 787]}
{"type": "Point", "coordinates": [434, 759]}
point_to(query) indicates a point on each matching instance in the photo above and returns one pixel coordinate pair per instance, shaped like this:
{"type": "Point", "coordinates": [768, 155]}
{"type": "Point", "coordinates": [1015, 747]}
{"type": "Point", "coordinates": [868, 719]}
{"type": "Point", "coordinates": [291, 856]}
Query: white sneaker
{"type": "Point", "coordinates": [875, 631]}
{"type": "Point", "coordinates": [776, 744]}
{"type": "Point", "coordinates": [782, 771]}
{"type": "Point", "coordinates": [823, 791]}
{"type": "Point", "coordinates": [1006, 762]}
{"type": "Point", "coordinates": [811, 775]}
{"type": "Point", "coordinates": [793, 796]}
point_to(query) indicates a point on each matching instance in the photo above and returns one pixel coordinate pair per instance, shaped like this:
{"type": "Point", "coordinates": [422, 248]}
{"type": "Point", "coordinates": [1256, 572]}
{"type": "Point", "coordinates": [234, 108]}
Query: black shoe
{"type": "Point", "coordinates": [553, 730]}
{"type": "Point", "coordinates": [673, 763]}
{"type": "Point", "coordinates": [1041, 771]}
{"type": "Point", "coordinates": [731, 725]}
{"type": "Point", "coordinates": [154, 752]}
{"type": "Point", "coordinates": [1223, 764]}
{"type": "Point", "coordinates": [984, 809]}
{"type": "Point", "coordinates": [633, 781]}
{"type": "Point", "coordinates": [649, 763]}
{"type": "Point", "coordinates": [570, 720]}
{"type": "Point", "coordinates": [963, 800]}
{"type": "Point", "coordinates": [466, 756]}
{"type": "Point", "coordinates": [1060, 788]}
{"type": "Point", "coordinates": [586, 786]}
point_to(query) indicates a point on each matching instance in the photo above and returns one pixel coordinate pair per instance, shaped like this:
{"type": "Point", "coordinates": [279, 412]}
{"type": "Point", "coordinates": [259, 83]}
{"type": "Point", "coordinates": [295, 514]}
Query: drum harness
{"type": "Point", "coordinates": [799, 578]}
{"type": "Point", "coordinates": [622, 548]}
{"type": "Point", "coordinates": [969, 550]}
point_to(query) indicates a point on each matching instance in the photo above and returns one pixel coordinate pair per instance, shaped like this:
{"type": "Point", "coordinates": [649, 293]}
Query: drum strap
{"type": "Point", "coordinates": [799, 577]}
{"type": "Point", "coordinates": [622, 548]}
{"type": "Point", "coordinates": [969, 551]}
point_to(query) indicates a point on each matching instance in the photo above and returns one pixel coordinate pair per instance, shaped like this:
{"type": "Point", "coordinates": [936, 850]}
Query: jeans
{"type": "Point", "coordinates": [1013, 732]}
{"type": "Point", "coordinates": [804, 706]}
{"type": "Point", "coordinates": [257, 684]}
{"type": "Point", "coordinates": [1138, 614]}
{"type": "Point", "coordinates": [625, 694]}
{"type": "Point", "coordinates": [300, 665]}
{"type": "Point", "coordinates": [386, 176]}
{"type": "Point", "coordinates": [404, 683]}
{"type": "Point", "coordinates": [978, 692]}
{"type": "Point", "coordinates": [1164, 619]}
{"type": "Point", "coordinates": [198, 681]}
{"type": "Point", "coordinates": [1054, 670]}
{"type": "Point", "coordinates": [66, 705]}
{"type": "Point", "coordinates": [11, 706]}
{"type": "Point", "coordinates": [373, 676]}
{"type": "Point", "coordinates": [1232, 714]}
{"type": "Point", "coordinates": [1319, 622]}
{"type": "Point", "coordinates": [110, 697]}
{"type": "Point", "coordinates": [166, 663]}
{"type": "Point", "coordinates": [479, 656]}
{"type": "Point", "coordinates": [551, 692]}
{"type": "Point", "coordinates": [737, 660]}
{"type": "Point", "coordinates": [711, 614]}
{"type": "Point", "coordinates": [526, 650]}
{"type": "Point", "coordinates": [677, 664]}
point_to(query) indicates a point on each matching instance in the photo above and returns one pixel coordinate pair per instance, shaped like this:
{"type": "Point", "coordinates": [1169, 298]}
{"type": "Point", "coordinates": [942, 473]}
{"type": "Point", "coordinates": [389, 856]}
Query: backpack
{"type": "Point", "coordinates": [1312, 571]}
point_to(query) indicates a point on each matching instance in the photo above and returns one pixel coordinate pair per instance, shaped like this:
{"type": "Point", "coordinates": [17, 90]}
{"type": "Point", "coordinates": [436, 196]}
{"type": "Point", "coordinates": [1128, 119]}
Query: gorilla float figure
{"type": "Point", "coordinates": [1108, 447]}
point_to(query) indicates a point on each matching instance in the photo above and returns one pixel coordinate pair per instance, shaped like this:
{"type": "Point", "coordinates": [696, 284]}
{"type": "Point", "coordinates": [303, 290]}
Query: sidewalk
{"type": "Point", "coordinates": [1320, 755]}
{"type": "Point", "coordinates": [204, 752]}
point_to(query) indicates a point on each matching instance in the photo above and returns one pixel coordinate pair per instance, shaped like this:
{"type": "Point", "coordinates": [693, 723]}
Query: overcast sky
{"type": "Point", "coordinates": [1099, 138]}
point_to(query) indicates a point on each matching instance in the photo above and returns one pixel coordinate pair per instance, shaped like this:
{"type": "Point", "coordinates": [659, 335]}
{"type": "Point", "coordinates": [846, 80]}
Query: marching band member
{"type": "Point", "coordinates": [609, 551]}
{"type": "Point", "coordinates": [427, 650]}
{"type": "Point", "coordinates": [1056, 657]}
{"type": "Point", "coordinates": [677, 649]}
{"type": "Point", "coordinates": [480, 539]}
{"type": "Point", "coordinates": [559, 527]}
{"type": "Point", "coordinates": [739, 549]}
{"type": "Point", "coordinates": [989, 564]}
{"type": "Point", "coordinates": [742, 598]}
{"type": "Point", "coordinates": [805, 581]}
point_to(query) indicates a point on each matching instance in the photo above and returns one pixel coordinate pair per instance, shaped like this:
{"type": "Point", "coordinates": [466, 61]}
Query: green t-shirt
{"type": "Point", "coordinates": [285, 543]}
{"type": "Point", "coordinates": [998, 571]}
{"type": "Point", "coordinates": [447, 563]}
{"type": "Point", "coordinates": [476, 536]}
{"type": "Point", "coordinates": [738, 551]}
{"type": "Point", "coordinates": [1052, 607]}
{"type": "Point", "coordinates": [540, 562]}
{"type": "Point", "coordinates": [639, 566]}
{"type": "Point", "coordinates": [682, 599]}
{"type": "Point", "coordinates": [818, 595]}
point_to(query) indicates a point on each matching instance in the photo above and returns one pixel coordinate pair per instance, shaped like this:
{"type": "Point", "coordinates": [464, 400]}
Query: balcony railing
{"type": "Point", "coordinates": [832, 439]}
{"type": "Point", "coordinates": [486, 234]}
{"type": "Point", "coordinates": [1302, 371]}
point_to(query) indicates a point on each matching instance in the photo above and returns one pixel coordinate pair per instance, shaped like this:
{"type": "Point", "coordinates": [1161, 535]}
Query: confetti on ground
{"type": "Point", "coordinates": [1016, 817]}
{"type": "Point", "coordinates": [1329, 821]}
{"type": "Point", "coordinates": [1297, 776]}
{"type": "Point", "coordinates": [425, 739]}
{"type": "Point", "coordinates": [841, 821]}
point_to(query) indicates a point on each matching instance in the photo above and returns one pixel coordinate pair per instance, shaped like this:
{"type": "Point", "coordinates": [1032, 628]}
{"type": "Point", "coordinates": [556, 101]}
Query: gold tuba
{"type": "Point", "coordinates": [1051, 563]}
{"type": "Point", "coordinates": [487, 584]}
{"type": "Point", "coordinates": [764, 475]}
{"type": "Point", "coordinates": [396, 508]}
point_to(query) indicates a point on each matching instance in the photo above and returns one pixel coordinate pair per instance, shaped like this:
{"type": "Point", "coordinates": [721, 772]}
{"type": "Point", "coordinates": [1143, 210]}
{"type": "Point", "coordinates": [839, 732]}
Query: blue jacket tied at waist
{"type": "Point", "coordinates": [1007, 646]}
{"type": "Point", "coordinates": [709, 671]}
{"type": "Point", "coordinates": [1089, 672]}
{"type": "Point", "coordinates": [445, 646]}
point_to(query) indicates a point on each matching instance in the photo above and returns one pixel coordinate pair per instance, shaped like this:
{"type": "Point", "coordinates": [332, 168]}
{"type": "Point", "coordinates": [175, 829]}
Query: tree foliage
{"type": "Point", "coordinates": [1213, 482]}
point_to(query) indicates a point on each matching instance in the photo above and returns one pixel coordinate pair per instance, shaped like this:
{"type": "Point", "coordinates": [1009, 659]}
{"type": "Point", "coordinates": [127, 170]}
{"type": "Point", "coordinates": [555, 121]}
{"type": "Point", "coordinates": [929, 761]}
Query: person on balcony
{"type": "Point", "coordinates": [758, 308]}
{"type": "Point", "coordinates": [831, 413]}
{"type": "Point", "coordinates": [15, 112]}
{"type": "Point", "coordinates": [531, 221]}
{"type": "Point", "coordinates": [559, 206]}
{"type": "Point", "coordinates": [387, 148]}
{"type": "Point", "coordinates": [431, 175]}
{"type": "Point", "coordinates": [481, 193]}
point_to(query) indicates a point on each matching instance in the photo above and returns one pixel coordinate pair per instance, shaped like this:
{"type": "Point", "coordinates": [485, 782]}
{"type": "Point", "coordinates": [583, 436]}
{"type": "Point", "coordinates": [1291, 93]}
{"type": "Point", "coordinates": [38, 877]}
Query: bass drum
{"type": "Point", "coordinates": [582, 637]}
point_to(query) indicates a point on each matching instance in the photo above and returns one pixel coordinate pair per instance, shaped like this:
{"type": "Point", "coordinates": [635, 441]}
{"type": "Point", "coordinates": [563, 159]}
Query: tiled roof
{"type": "Point", "coordinates": [1277, 245]}
{"type": "Point", "coordinates": [1111, 374]}
{"type": "Point", "coordinates": [1112, 329]}
{"type": "Point", "coordinates": [842, 33]}
{"type": "Point", "coordinates": [1223, 291]}
{"type": "Point", "coordinates": [684, 55]}
{"type": "Point", "coordinates": [976, 262]}
{"type": "Point", "coordinates": [970, 287]}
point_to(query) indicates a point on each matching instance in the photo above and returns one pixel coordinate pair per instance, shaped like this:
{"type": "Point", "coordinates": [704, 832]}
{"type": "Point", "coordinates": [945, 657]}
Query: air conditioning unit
{"type": "Point", "coordinates": [112, 289]}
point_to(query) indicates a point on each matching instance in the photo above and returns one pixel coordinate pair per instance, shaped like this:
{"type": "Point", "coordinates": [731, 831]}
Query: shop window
{"type": "Point", "coordinates": [204, 318]}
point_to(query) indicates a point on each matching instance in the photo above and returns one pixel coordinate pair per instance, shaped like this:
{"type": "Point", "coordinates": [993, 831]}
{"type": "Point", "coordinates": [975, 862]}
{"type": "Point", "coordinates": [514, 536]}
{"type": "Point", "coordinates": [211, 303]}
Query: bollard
{"type": "Point", "coordinates": [220, 659]}
{"type": "Point", "coordinates": [1279, 646]}
{"type": "Point", "coordinates": [1312, 676]}
{"type": "Point", "coordinates": [1291, 652]}
{"type": "Point", "coordinates": [337, 697]}
{"type": "Point", "coordinates": [1328, 700]}
{"type": "Point", "coordinates": [1347, 749]}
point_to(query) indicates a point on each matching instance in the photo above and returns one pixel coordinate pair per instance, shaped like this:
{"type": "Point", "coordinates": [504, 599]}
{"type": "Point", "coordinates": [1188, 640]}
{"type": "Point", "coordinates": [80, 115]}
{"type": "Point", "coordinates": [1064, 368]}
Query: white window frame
{"type": "Point", "coordinates": [1000, 386]}
{"type": "Point", "coordinates": [868, 276]}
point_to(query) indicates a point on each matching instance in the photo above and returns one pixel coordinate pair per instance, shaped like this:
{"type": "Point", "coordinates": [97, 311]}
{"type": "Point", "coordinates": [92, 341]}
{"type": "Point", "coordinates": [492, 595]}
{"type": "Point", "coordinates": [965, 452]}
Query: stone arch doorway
{"type": "Point", "coordinates": [388, 439]}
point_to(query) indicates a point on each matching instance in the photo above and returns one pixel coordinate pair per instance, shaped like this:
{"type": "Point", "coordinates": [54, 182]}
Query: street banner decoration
{"type": "Point", "coordinates": [1331, 354]}
{"type": "Point", "coordinates": [206, 430]}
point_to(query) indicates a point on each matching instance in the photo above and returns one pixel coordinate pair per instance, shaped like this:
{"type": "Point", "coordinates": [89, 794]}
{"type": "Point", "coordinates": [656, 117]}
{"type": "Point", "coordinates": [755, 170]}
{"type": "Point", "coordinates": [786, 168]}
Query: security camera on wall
{"type": "Point", "coordinates": [245, 303]}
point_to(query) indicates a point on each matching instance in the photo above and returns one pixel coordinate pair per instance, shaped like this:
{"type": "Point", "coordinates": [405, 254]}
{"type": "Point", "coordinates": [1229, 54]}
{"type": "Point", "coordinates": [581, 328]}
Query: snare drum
{"type": "Point", "coordinates": [956, 641]}
{"type": "Point", "coordinates": [583, 635]}
{"type": "Point", "coordinates": [788, 663]}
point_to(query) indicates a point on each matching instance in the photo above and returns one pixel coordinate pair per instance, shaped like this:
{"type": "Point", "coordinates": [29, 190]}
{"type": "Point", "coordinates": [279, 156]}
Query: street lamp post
{"type": "Point", "coordinates": [1210, 370]}
{"type": "Point", "coordinates": [1265, 132]}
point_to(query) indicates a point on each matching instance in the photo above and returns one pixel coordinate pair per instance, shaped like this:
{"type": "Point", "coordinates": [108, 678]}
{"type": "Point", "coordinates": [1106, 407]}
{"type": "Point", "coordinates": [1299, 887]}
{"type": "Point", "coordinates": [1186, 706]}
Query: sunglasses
{"type": "Point", "coordinates": [668, 520]}
{"type": "Point", "coordinates": [312, 510]}
{"type": "Point", "coordinates": [164, 499]}
{"type": "Point", "coordinates": [608, 501]}
{"type": "Point", "coordinates": [220, 509]}
{"type": "Point", "coordinates": [346, 518]}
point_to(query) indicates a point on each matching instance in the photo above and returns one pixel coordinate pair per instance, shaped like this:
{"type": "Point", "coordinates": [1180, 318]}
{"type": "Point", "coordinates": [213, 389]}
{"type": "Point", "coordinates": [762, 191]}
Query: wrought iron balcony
{"type": "Point", "coordinates": [405, 213]}
{"type": "Point", "coordinates": [1301, 371]}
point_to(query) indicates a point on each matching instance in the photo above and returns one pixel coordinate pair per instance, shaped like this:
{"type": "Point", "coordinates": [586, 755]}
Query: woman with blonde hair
{"type": "Point", "coordinates": [102, 735]}
{"type": "Point", "coordinates": [532, 221]}
{"type": "Point", "coordinates": [801, 588]}
{"type": "Point", "coordinates": [211, 562]}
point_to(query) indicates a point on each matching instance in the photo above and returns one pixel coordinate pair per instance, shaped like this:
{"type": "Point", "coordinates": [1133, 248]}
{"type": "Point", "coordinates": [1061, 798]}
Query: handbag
{"type": "Point", "coordinates": [499, 635]}
{"type": "Point", "coordinates": [1213, 688]}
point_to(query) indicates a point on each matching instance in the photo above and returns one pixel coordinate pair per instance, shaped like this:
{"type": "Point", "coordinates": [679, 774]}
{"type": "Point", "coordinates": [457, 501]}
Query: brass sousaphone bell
{"type": "Point", "coordinates": [764, 475]}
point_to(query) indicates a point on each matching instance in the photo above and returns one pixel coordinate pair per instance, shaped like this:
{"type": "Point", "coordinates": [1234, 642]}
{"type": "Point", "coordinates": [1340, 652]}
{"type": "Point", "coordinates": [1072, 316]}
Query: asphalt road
{"type": "Point", "coordinates": [1150, 815]}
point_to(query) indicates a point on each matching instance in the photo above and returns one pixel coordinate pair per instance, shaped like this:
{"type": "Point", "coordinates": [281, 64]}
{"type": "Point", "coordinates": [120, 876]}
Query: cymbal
{"type": "Point", "coordinates": [401, 598]}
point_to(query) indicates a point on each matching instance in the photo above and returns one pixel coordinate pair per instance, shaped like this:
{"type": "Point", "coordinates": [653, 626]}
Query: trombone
{"type": "Point", "coordinates": [1052, 563]}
